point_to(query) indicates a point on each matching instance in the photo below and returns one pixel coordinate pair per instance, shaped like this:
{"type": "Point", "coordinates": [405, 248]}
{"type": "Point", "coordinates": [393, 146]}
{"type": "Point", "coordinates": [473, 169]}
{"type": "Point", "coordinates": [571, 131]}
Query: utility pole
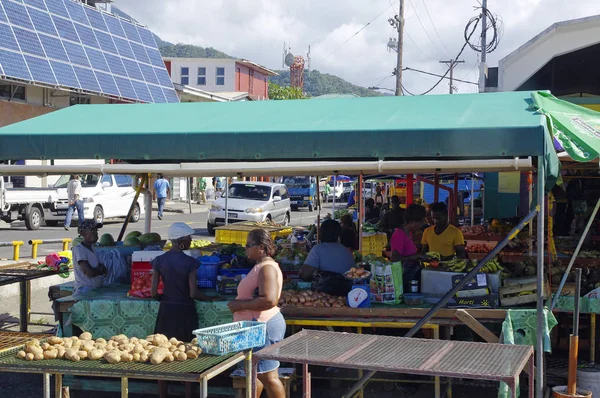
{"type": "Point", "coordinates": [400, 20]}
{"type": "Point", "coordinates": [451, 65]}
{"type": "Point", "coordinates": [483, 65]}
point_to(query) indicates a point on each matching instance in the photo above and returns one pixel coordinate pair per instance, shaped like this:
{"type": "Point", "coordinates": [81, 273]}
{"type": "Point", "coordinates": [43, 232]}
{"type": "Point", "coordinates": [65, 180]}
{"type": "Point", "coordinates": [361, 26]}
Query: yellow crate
{"type": "Point", "coordinates": [230, 235]}
{"type": "Point", "coordinates": [374, 244]}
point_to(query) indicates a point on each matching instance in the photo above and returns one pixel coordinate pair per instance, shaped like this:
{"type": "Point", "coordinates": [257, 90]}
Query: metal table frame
{"type": "Point", "coordinates": [272, 353]}
{"type": "Point", "coordinates": [125, 375]}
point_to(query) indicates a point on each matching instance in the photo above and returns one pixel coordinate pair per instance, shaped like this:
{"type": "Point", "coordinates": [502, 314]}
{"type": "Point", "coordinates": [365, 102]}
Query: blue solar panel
{"type": "Point", "coordinates": [36, 3]}
{"type": "Point", "coordinates": [3, 17]}
{"type": "Point", "coordinates": [170, 95]}
{"type": "Point", "coordinates": [114, 26]}
{"type": "Point", "coordinates": [147, 37]}
{"type": "Point", "coordinates": [87, 79]}
{"type": "Point", "coordinates": [131, 31]}
{"type": "Point", "coordinates": [155, 57]}
{"type": "Point", "coordinates": [29, 42]}
{"type": "Point", "coordinates": [157, 93]}
{"type": "Point", "coordinates": [86, 35]}
{"type": "Point", "coordinates": [106, 42]}
{"type": "Point", "coordinates": [17, 14]}
{"type": "Point", "coordinates": [142, 91]}
{"type": "Point", "coordinates": [76, 54]}
{"type": "Point", "coordinates": [40, 69]}
{"type": "Point", "coordinates": [133, 70]}
{"type": "Point", "coordinates": [65, 75]}
{"type": "Point", "coordinates": [115, 65]}
{"type": "Point", "coordinates": [148, 73]}
{"type": "Point", "coordinates": [14, 65]}
{"type": "Point", "coordinates": [125, 87]}
{"type": "Point", "coordinates": [140, 53]}
{"type": "Point", "coordinates": [7, 38]}
{"type": "Point", "coordinates": [123, 47]}
{"type": "Point", "coordinates": [54, 48]}
{"type": "Point", "coordinates": [65, 29]}
{"type": "Point", "coordinates": [163, 77]}
{"type": "Point", "coordinates": [57, 7]}
{"type": "Point", "coordinates": [96, 19]}
{"type": "Point", "coordinates": [107, 84]}
{"type": "Point", "coordinates": [97, 59]}
{"type": "Point", "coordinates": [42, 21]}
{"type": "Point", "coordinates": [76, 12]}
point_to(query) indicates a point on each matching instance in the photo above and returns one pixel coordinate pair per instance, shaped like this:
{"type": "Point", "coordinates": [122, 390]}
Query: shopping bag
{"type": "Point", "coordinates": [386, 283]}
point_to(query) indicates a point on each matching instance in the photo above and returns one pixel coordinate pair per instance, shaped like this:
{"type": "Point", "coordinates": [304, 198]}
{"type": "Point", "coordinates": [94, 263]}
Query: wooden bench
{"type": "Point", "coordinates": [286, 375]}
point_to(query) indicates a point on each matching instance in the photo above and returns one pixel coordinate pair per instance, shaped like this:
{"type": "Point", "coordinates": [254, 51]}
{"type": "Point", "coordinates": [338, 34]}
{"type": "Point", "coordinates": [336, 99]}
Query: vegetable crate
{"type": "Point", "coordinates": [230, 234]}
{"type": "Point", "coordinates": [374, 244]}
{"type": "Point", "coordinates": [231, 337]}
{"type": "Point", "coordinates": [517, 291]}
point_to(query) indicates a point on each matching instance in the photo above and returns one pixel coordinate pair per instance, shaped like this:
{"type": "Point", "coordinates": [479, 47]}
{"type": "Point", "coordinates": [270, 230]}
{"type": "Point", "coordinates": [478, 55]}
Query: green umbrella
{"type": "Point", "coordinates": [576, 128]}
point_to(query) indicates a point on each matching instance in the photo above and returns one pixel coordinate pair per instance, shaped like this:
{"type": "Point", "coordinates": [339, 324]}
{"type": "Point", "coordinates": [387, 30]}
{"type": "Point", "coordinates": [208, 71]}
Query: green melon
{"type": "Point", "coordinates": [106, 240]}
{"type": "Point", "coordinates": [157, 237]}
{"type": "Point", "coordinates": [147, 239]}
{"type": "Point", "coordinates": [131, 241]}
{"type": "Point", "coordinates": [133, 234]}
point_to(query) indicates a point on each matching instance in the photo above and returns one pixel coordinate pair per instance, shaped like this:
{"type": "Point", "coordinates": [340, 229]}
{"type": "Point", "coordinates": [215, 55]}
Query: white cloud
{"type": "Point", "coordinates": [257, 29]}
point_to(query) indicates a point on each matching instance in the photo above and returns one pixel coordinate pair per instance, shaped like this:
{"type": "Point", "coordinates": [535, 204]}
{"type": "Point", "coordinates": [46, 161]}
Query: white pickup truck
{"type": "Point", "coordinates": [104, 196]}
{"type": "Point", "coordinates": [27, 204]}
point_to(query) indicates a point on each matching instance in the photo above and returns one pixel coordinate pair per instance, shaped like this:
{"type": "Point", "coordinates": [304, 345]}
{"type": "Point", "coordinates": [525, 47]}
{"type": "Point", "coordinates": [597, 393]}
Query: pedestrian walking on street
{"type": "Point", "coordinates": [75, 201]}
{"type": "Point", "coordinates": [162, 190]}
{"type": "Point", "coordinates": [201, 190]}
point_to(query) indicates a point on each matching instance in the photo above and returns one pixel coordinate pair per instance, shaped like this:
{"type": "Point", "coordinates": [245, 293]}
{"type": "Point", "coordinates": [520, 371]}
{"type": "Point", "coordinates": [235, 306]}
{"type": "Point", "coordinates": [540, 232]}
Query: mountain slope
{"type": "Point", "coordinates": [317, 83]}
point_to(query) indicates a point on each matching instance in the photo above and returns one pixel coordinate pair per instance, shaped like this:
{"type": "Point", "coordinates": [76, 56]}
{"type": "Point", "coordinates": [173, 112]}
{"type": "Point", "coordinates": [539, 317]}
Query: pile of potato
{"type": "Point", "coordinates": [308, 298]}
{"type": "Point", "coordinates": [156, 348]}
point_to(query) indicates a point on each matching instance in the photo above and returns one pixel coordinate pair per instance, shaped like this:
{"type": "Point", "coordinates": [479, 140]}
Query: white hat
{"type": "Point", "coordinates": [179, 230]}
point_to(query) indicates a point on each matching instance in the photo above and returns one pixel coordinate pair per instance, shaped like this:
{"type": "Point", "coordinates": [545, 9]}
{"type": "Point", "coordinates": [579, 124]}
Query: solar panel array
{"type": "Point", "coordinates": [64, 43]}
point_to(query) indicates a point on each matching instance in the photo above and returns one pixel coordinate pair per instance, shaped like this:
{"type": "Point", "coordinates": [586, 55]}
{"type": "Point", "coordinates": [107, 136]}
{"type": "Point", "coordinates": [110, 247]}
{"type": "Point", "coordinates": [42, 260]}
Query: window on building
{"type": "Point", "coordinates": [220, 76]}
{"type": "Point", "coordinates": [79, 100]}
{"type": "Point", "coordinates": [185, 76]}
{"type": "Point", "coordinates": [202, 76]}
{"type": "Point", "coordinates": [12, 92]}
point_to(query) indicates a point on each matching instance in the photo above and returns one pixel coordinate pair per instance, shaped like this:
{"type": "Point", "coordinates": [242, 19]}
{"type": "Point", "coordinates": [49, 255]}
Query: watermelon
{"type": "Point", "coordinates": [157, 237]}
{"type": "Point", "coordinates": [133, 234]}
{"type": "Point", "coordinates": [147, 239]}
{"type": "Point", "coordinates": [106, 240]}
{"type": "Point", "coordinates": [131, 241]}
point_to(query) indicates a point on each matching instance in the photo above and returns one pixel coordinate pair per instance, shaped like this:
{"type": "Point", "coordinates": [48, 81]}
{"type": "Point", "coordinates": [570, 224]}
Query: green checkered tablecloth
{"type": "Point", "coordinates": [107, 311]}
{"type": "Point", "coordinates": [587, 305]}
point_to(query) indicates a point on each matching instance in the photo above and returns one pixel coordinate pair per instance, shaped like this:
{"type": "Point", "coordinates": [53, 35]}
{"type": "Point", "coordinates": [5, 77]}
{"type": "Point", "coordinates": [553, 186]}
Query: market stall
{"type": "Point", "coordinates": [482, 132]}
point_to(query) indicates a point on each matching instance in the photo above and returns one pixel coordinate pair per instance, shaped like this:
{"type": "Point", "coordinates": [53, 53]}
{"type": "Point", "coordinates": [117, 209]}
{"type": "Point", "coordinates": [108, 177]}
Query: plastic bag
{"type": "Point", "coordinates": [117, 270]}
{"type": "Point", "coordinates": [594, 293]}
{"type": "Point", "coordinates": [386, 283]}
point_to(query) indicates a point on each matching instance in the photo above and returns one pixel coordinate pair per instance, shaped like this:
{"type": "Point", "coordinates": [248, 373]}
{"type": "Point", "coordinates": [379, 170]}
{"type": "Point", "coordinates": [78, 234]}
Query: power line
{"type": "Point", "coordinates": [417, 47]}
{"type": "Point", "coordinates": [354, 35]}
{"type": "Point", "coordinates": [423, 26]}
{"type": "Point", "coordinates": [436, 75]}
{"type": "Point", "coordinates": [434, 28]}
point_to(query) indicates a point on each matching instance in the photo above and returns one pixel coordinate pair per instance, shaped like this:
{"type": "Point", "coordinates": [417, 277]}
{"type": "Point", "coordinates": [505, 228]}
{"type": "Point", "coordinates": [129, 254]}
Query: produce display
{"type": "Point", "coordinates": [474, 230]}
{"type": "Point", "coordinates": [154, 349]}
{"type": "Point", "coordinates": [196, 244]}
{"type": "Point", "coordinates": [358, 273]}
{"type": "Point", "coordinates": [291, 259]}
{"type": "Point", "coordinates": [464, 265]}
{"type": "Point", "coordinates": [478, 248]}
{"type": "Point", "coordinates": [308, 298]}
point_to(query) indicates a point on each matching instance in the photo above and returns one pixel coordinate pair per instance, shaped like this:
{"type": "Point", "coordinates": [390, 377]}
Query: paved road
{"type": "Point", "coordinates": [197, 220]}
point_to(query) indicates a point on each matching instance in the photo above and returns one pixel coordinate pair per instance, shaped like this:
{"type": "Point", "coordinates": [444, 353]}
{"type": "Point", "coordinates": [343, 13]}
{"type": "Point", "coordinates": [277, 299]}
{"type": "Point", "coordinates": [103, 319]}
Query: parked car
{"type": "Point", "coordinates": [104, 196]}
{"type": "Point", "coordinates": [27, 204]}
{"type": "Point", "coordinates": [251, 201]}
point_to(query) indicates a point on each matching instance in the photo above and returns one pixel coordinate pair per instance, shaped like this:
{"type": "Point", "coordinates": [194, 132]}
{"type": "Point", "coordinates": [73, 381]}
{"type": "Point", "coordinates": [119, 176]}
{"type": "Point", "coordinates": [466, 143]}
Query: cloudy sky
{"type": "Point", "coordinates": [257, 29]}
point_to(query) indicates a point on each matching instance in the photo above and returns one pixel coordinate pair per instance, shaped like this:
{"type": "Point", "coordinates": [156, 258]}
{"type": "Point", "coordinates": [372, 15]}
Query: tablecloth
{"type": "Point", "coordinates": [586, 304]}
{"type": "Point", "coordinates": [108, 311]}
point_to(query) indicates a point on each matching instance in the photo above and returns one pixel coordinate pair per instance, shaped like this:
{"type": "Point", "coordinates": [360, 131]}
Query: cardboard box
{"type": "Point", "coordinates": [486, 301]}
{"type": "Point", "coordinates": [479, 282]}
{"type": "Point", "coordinates": [228, 285]}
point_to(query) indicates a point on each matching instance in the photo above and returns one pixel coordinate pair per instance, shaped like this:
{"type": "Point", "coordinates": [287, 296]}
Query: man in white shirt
{"type": "Point", "coordinates": [75, 201]}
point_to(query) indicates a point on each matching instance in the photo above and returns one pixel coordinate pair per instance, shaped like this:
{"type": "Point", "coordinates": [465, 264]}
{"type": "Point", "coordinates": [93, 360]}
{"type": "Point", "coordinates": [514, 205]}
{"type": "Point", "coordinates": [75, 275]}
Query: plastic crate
{"type": "Point", "coordinates": [374, 243]}
{"type": "Point", "coordinates": [240, 236]}
{"type": "Point", "coordinates": [206, 276]}
{"type": "Point", "coordinates": [233, 272]}
{"type": "Point", "coordinates": [231, 337]}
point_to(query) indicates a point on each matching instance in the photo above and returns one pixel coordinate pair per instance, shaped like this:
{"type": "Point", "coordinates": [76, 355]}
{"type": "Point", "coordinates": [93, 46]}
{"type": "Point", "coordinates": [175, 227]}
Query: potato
{"type": "Point", "coordinates": [33, 342]}
{"type": "Point", "coordinates": [191, 354]}
{"type": "Point", "coordinates": [181, 348]}
{"type": "Point", "coordinates": [144, 356]}
{"type": "Point", "coordinates": [85, 336]}
{"type": "Point", "coordinates": [51, 354]}
{"type": "Point", "coordinates": [87, 346]}
{"type": "Point", "coordinates": [21, 354]}
{"type": "Point", "coordinates": [160, 338]}
{"type": "Point", "coordinates": [55, 340]}
{"type": "Point", "coordinates": [138, 348]}
{"type": "Point", "coordinates": [61, 352]}
{"type": "Point", "coordinates": [45, 346]}
{"type": "Point", "coordinates": [29, 356]}
{"type": "Point", "coordinates": [119, 337]}
{"type": "Point", "coordinates": [82, 354]}
{"type": "Point", "coordinates": [180, 356]}
{"type": "Point", "coordinates": [143, 342]}
{"type": "Point", "coordinates": [95, 354]}
{"type": "Point", "coordinates": [136, 357]}
{"type": "Point", "coordinates": [125, 357]}
{"type": "Point", "coordinates": [113, 357]}
{"type": "Point", "coordinates": [100, 346]}
{"type": "Point", "coordinates": [35, 350]}
{"type": "Point", "coordinates": [134, 340]}
{"type": "Point", "coordinates": [68, 343]}
{"type": "Point", "coordinates": [38, 356]}
{"type": "Point", "coordinates": [127, 347]}
{"type": "Point", "coordinates": [169, 357]}
{"type": "Point", "coordinates": [166, 345]}
{"type": "Point", "coordinates": [101, 341]}
{"type": "Point", "coordinates": [158, 356]}
{"type": "Point", "coordinates": [173, 340]}
{"type": "Point", "coordinates": [172, 348]}
{"type": "Point", "coordinates": [70, 352]}
{"type": "Point", "coordinates": [74, 338]}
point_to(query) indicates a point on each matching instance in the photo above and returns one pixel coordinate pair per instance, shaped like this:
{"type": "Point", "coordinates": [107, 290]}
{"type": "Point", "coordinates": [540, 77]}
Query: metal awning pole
{"type": "Point", "coordinates": [148, 205]}
{"type": "Point", "coordinates": [541, 319]}
{"type": "Point", "coordinates": [226, 200]}
{"type": "Point", "coordinates": [472, 199]}
{"type": "Point", "coordinates": [334, 187]}
{"type": "Point", "coordinates": [575, 254]}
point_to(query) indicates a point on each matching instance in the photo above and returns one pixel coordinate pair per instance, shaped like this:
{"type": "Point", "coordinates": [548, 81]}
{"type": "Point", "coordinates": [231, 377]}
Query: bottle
{"type": "Point", "coordinates": [293, 240]}
{"type": "Point", "coordinates": [414, 286]}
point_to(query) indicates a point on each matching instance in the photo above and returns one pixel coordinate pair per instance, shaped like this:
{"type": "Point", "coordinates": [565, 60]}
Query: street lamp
{"type": "Point", "coordinates": [382, 88]}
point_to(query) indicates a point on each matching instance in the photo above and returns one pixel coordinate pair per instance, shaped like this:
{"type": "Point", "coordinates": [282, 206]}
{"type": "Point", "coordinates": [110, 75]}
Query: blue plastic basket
{"type": "Point", "coordinates": [231, 337]}
{"type": "Point", "coordinates": [206, 276]}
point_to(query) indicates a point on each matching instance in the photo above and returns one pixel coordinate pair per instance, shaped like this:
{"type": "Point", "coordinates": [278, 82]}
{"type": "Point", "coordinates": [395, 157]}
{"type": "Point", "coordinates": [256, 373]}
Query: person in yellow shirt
{"type": "Point", "coordinates": [442, 237]}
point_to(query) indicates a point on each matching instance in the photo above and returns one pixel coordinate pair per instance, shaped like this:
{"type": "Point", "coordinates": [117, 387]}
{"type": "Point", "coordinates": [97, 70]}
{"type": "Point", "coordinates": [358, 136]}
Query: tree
{"type": "Point", "coordinates": [277, 92]}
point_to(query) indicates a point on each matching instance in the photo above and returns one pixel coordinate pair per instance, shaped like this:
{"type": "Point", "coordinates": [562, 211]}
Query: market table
{"type": "Point", "coordinates": [199, 370]}
{"type": "Point", "coordinates": [495, 362]}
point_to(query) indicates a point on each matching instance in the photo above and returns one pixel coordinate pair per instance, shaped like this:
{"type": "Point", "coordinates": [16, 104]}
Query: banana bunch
{"type": "Point", "coordinates": [457, 265]}
{"type": "Point", "coordinates": [434, 255]}
{"type": "Point", "coordinates": [491, 267]}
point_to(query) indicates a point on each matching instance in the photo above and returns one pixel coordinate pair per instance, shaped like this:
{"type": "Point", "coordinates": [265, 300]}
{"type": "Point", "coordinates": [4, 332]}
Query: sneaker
{"type": "Point", "coordinates": [160, 217]}
{"type": "Point", "coordinates": [66, 228]}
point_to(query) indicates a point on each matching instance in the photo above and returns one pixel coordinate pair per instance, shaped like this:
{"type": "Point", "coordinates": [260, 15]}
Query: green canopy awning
{"type": "Point", "coordinates": [467, 126]}
{"type": "Point", "coordinates": [576, 128]}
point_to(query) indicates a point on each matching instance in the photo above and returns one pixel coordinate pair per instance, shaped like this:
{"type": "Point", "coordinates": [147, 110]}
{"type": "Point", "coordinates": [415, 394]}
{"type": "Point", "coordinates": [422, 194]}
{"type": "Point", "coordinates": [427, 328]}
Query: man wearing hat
{"type": "Point", "coordinates": [89, 273]}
